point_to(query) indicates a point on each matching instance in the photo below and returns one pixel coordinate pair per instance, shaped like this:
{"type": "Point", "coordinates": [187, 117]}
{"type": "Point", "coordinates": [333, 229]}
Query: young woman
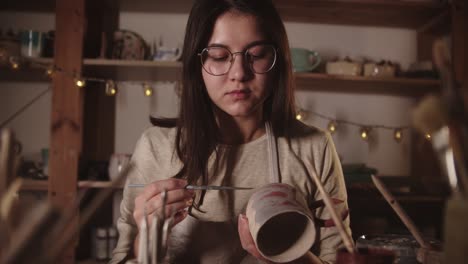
{"type": "Point", "coordinates": [237, 96]}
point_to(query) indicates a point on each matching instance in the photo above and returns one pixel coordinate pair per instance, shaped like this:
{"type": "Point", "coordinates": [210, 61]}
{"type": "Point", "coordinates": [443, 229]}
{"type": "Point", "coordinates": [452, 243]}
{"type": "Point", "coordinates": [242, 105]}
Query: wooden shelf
{"type": "Point", "coordinates": [42, 185]}
{"type": "Point", "coordinates": [388, 13]}
{"type": "Point", "coordinates": [34, 185]}
{"type": "Point", "coordinates": [395, 13]}
{"type": "Point", "coordinates": [131, 70]}
{"type": "Point", "coordinates": [33, 70]}
{"type": "Point", "coordinates": [96, 184]}
{"type": "Point", "coordinates": [131, 63]}
{"type": "Point", "coordinates": [361, 84]}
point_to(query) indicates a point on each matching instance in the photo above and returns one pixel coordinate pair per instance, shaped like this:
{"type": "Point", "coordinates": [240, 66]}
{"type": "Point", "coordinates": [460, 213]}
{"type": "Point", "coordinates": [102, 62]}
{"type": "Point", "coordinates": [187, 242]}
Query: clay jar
{"type": "Point", "coordinates": [280, 222]}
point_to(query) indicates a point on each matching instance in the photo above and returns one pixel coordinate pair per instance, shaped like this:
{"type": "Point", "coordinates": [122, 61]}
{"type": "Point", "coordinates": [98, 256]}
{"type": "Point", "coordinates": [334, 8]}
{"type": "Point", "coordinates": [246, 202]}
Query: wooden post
{"type": "Point", "coordinates": [6, 159]}
{"type": "Point", "coordinates": [459, 46]}
{"type": "Point", "coordinates": [67, 109]}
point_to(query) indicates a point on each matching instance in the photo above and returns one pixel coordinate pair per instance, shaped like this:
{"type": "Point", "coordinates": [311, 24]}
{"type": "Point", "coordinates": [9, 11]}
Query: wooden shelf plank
{"type": "Point", "coordinates": [369, 85]}
{"type": "Point", "coordinates": [134, 70]}
{"type": "Point", "coordinates": [137, 70]}
{"type": "Point", "coordinates": [43, 185]}
{"type": "Point", "coordinates": [96, 184]}
{"type": "Point", "coordinates": [402, 14]}
{"type": "Point", "coordinates": [34, 185]}
{"type": "Point", "coordinates": [131, 63]}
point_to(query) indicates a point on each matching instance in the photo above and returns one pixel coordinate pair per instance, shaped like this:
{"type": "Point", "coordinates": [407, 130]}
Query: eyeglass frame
{"type": "Point", "coordinates": [240, 52]}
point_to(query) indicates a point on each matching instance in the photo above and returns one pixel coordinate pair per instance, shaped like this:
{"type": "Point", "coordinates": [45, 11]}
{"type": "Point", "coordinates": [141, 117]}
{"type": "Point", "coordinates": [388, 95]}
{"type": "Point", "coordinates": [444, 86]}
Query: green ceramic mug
{"type": "Point", "coordinates": [304, 60]}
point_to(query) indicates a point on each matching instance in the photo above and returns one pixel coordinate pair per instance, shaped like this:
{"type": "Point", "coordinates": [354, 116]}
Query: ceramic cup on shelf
{"type": "Point", "coordinates": [280, 222]}
{"type": "Point", "coordinates": [304, 60]}
{"type": "Point", "coordinates": [117, 163]}
{"type": "Point", "coordinates": [32, 43]}
{"type": "Point", "coordinates": [167, 53]}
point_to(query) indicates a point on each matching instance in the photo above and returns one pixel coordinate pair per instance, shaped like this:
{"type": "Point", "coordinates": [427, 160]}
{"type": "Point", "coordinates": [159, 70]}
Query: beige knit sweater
{"type": "Point", "coordinates": [213, 237]}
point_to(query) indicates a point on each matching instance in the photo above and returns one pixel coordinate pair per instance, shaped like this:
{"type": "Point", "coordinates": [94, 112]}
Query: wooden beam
{"type": "Point", "coordinates": [459, 45]}
{"type": "Point", "coordinates": [67, 109]}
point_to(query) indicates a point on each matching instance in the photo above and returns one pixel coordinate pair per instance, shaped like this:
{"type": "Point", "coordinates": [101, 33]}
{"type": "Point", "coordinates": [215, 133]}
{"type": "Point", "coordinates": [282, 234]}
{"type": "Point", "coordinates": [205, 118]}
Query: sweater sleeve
{"type": "Point", "coordinates": [142, 163]}
{"type": "Point", "coordinates": [329, 171]}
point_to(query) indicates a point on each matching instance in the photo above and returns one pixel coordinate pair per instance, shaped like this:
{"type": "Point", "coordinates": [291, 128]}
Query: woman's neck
{"type": "Point", "coordinates": [240, 130]}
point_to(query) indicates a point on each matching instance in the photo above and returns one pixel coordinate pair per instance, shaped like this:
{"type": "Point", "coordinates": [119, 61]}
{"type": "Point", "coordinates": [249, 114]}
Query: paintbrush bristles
{"type": "Point", "coordinates": [430, 115]}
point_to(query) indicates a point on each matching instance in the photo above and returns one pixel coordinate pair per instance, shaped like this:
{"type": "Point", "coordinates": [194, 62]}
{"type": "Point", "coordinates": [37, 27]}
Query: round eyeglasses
{"type": "Point", "coordinates": [218, 60]}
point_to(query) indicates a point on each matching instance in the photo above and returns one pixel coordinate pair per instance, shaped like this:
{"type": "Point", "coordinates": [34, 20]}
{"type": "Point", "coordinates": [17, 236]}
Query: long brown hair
{"type": "Point", "coordinates": [197, 131]}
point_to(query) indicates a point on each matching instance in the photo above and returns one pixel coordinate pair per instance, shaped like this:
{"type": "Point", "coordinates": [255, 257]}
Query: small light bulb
{"type": "Point", "coordinates": [111, 88]}
{"type": "Point", "coordinates": [428, 136]}
{"type": "Point", "coordinates": [365, 133]}
{"type": "Point", "coordinates": [148, 90]}
{"type": "Point", "coordinates": [398, 135]}
{"type": "Point", "coordinates": [332, 126]}
{"type": "Point", "coordinates": [14, 62]}
{"type": "Point", "coordinates": [301, 114]}
{"type": "Point", "coordinates": [80, 82]}
{"type": "Point", "coordinates": [50, 71]}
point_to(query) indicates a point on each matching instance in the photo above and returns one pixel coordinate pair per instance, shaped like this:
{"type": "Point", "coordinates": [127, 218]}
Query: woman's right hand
{"type": "Point", "coordinates": [178, 199]}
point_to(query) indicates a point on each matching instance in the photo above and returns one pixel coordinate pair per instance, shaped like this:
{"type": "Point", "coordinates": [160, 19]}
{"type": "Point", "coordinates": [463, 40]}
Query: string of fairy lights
{"type": "Point", "coordinates": [365, 130]}
{"type": "Point", "coordinates": [111, 89]}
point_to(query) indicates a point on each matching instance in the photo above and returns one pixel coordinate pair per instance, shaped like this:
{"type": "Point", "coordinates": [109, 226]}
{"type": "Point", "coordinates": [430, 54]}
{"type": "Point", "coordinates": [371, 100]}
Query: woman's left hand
{"type": "Point", "coordinates": [246, 239]}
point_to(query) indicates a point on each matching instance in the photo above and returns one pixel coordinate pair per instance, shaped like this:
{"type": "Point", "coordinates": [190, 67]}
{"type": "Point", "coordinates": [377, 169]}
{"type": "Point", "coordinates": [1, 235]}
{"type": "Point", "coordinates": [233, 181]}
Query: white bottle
{"type": "Point", "coordinates": [100, 244]}
{"type": "Point", "coordinates": [112, 240]}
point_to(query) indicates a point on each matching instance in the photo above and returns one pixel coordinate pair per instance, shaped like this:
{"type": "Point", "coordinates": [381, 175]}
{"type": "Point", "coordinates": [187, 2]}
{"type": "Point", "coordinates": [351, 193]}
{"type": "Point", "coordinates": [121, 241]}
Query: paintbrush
{"type": "Point", "coordinates": [399, 211]}
{"type": "Point", "coordinates": [345, 236]}
{"type": "Point", "coordinates": [199, 187]}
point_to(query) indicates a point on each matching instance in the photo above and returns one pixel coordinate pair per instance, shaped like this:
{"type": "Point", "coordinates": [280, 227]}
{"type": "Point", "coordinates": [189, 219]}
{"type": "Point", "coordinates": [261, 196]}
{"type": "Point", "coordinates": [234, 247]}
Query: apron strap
{"type": "Point", "coordinates": [273, 154]}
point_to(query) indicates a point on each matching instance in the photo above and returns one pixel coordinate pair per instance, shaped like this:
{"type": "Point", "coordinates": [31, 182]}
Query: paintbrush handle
{"type": "Point", "coordinates": [347, 240]}
{"type": "Point", "coordinates": [399, 211]}
{"type": "Point", "coordinates": [197, 187]}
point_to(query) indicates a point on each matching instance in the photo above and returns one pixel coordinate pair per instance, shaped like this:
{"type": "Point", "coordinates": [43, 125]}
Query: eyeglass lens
{"type": "Point", "coordinates": [218, 60]}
